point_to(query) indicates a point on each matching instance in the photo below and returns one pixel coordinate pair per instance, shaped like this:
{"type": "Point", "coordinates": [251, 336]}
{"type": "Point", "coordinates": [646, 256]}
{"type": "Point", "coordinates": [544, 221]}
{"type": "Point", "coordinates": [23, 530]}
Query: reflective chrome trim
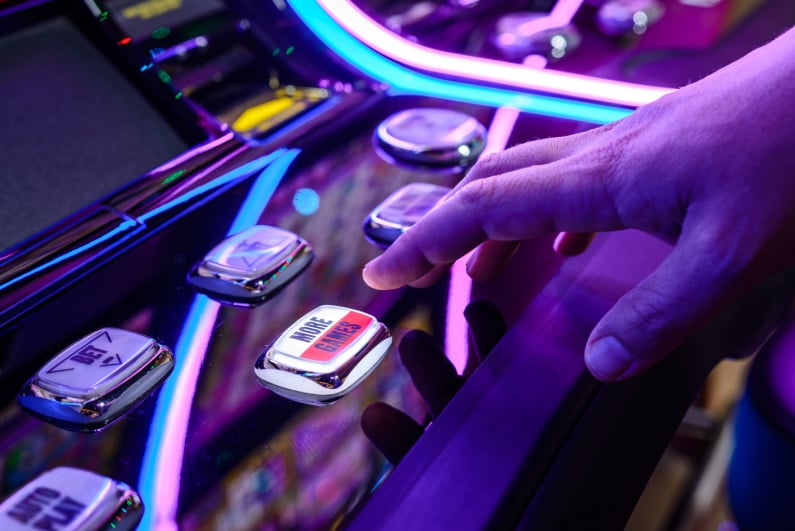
{"type": "Point", "coordinates": [89, 412]}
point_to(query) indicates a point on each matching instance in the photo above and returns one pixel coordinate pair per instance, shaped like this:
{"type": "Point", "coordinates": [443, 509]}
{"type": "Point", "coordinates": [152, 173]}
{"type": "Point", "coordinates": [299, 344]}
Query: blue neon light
{"type": "Point", "coordinates": [262, 190]}
{"type": "Point", "coordinates": [238, 173]}
{"type": "Point", "coordinates": [124, 226]}
{"type": "Point", "coordinates": [406, 81]}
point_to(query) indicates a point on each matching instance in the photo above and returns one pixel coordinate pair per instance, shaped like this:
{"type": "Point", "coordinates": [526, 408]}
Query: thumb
{"type": "Point", "coordinates": [647, 323]}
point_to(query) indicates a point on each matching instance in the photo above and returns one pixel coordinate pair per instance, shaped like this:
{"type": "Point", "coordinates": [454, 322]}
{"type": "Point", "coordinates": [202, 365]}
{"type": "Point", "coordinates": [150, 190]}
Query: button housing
{"type": "Point", "coordinates": [432, 137]}
{"type": "Point", "coordinates": [251, 266]}
{"type": "Point", "coordinates": [402, 209]}
{"type": "Point", "coordinates": [97, 379]}
{"type": "Point", "coordinates": [323, 355]}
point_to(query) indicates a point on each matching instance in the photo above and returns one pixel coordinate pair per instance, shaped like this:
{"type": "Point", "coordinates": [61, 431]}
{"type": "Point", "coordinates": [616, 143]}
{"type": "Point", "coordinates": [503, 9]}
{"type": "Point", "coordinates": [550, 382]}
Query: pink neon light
{"type": "Point", "coordinates": [560, 15]}
{"type": "Point", "coordinates": [170, 453]}
{"type": "Point", "coordinates": [414, 55]}
{"type": "Point", "coordinates": [456, 332]}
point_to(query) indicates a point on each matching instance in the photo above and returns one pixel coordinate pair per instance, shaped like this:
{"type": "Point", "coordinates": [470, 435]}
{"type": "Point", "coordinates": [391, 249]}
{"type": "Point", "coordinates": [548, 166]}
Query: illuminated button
{"type": "Point", "coordinates": [324, 355]}
{"type": "Point", "coordinates": [71, 499]}
{"type": "Point", "coordinates": [401, 210]}
{"type": "Point", "coordinates": [434, 137]}
{"type": "Point", "coordinates": [97, 379]}
{"type": "Point", "coordinates": [251, 266]}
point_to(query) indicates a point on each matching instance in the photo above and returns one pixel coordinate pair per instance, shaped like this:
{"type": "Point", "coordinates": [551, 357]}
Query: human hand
{"type": "Point", "coordinates": [392, 431]}
{"type": "Point", "coordinates": [709, 168]}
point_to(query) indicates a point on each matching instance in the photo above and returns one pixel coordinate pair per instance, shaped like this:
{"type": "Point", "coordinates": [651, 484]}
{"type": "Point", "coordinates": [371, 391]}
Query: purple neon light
{"type": "Point", "coordinates": [172, 445]}
{"type": "Point", "coordinates": [414, 55]}
{"type": "Point", "coordinates": [456, 330]}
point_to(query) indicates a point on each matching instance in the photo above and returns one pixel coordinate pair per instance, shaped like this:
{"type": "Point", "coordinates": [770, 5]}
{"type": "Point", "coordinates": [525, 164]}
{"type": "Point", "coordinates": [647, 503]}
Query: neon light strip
{"type": "Point", "coordinates": [121, 228]}
{"type": "Point", "coordinates": [238, 173]}
{"type": "Point", "coordinates": [407, 81]}
{"type": "Point", "coordinates": [482, 70]}
{"type": "Point", "coordinates": [456, 339]}
{"type": "Point", "coordinates": [161, 470]}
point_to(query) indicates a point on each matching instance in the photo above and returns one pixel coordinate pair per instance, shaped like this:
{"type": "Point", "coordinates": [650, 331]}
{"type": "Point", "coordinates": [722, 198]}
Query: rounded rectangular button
{"type": "Point", "coordinates": [323, 355]}
{"type": "Point", "coordinates": [402, 209]}
{"type": "Point", "coordinates": [95, 380]}
{"type": "Point", "coordinates": [251, 266]}
{"type": "Point", "coordinates": [71, 499]}
{"type": "Point", "coordinates": [96, 365]}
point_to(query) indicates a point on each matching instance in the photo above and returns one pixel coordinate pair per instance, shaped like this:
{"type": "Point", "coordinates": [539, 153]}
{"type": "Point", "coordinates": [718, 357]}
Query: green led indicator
{"type": "Point", "coordinates": [289, 50]}
{"type": "Point", "coordinates": [161, 33]}
{"type": "Point", "coordinates": [164, 77]}
{"type": "Point", "coordinates": [103, 16]}
{"type": "Point", "coordinates": [174, 176]}
{"type": "Point", "coordinates": [178, 95]}
{"type": "Point", "coordinates": [277, 51]}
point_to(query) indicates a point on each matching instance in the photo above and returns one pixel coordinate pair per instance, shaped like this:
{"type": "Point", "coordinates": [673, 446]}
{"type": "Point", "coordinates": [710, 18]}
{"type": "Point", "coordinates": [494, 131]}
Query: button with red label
{"type": "Point", "coordinates": [323, 355]}
{"type": "Point", "coordinates": [251, 266]}
{"type": "Point", "coordinates": [97, 379]}
{"type": "Point", "coordinates": [71, 499]}
{"type": "Point", "coordinates": [402, 209]}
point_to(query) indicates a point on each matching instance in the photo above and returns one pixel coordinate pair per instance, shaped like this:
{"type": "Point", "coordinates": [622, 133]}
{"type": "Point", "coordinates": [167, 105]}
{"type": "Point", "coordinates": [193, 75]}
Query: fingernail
{"type": "Point", "coordinates": [607, 359]}
{"type": "Point", "coordinates": [365, 274]}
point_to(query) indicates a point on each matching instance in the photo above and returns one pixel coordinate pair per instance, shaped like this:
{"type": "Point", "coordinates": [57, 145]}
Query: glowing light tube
{"type": "Point", "coordinates": [488, 71]}
{"type": "Point", "coordinates": [403, 80]}
{"type": "Point", "coordinates": [161, 470]}
{"type": "Point", "coordinates": [456, 338]}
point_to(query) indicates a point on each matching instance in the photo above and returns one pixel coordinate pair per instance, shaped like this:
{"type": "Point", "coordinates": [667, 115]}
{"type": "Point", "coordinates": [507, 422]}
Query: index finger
{"type": "Point", "coordinates": [521, 204]}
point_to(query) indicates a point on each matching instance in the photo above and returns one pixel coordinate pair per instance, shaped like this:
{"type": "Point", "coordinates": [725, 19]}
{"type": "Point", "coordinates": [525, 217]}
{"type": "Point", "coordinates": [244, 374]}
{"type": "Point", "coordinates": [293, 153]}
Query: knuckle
{"type": "Point", "coordinates": [647, 315]}
{"type": "Point", "coordinates": [476, 195]}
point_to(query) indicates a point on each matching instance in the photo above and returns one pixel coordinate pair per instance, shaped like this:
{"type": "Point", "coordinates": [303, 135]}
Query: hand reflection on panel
{"type": "Point", "coordinates": [394, 432]}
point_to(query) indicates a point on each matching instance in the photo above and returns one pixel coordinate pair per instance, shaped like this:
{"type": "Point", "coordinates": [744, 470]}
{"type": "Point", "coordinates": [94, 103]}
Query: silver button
{"type": "Point", "coordinates": [430, 136]}
{"type": "Point", "coordinates": [251, 266]}
{"type": "Point", "coordinates": [401, 210]}
{"type": "Point", "coordinates": [97, 379]}
{"type": "Point", "coordinates": [71, 499]}
{"type": "Point", "coordinates": [323, 355]}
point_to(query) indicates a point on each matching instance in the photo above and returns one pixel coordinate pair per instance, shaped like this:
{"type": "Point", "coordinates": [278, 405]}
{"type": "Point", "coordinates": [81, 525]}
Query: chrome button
{"type": "Point", "coordinates": [97, 379]}
{"type": "Point", "coordinates": [71, 499]}
{"type": "Point", "coordinates": [251, 266]}
{"type": "Point", "coordinates": [323, 355]}
{"type": "Point", "coordinates": [430, 136]}
{"type": "Point", "coordinates": [402, 209]}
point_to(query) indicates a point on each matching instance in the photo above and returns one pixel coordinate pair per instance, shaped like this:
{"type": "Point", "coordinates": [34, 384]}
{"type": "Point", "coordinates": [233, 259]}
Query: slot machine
{"type": "Point", "coordinates": [191, 192]}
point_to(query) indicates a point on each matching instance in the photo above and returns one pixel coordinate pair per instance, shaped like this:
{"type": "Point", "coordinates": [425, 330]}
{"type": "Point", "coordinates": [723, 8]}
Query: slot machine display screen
{"type": "Point", "coordinates": [73, 128]}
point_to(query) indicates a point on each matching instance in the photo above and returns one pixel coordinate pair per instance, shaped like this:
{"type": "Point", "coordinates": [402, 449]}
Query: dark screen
{"type": "Point", "coordinates": [72, 129]}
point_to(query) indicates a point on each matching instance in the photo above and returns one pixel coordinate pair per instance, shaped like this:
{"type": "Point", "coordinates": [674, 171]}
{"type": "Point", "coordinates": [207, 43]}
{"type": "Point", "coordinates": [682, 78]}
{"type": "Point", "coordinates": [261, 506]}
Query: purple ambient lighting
{"type": "Point", "coordinates": [456, 338]}
{"type": "Point", "coordinates": [490, 71]}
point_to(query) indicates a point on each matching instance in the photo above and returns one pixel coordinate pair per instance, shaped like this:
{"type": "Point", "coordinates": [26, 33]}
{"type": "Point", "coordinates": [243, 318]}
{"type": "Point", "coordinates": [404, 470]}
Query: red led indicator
{"type": "Point", "coordinates": [125, 41]}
